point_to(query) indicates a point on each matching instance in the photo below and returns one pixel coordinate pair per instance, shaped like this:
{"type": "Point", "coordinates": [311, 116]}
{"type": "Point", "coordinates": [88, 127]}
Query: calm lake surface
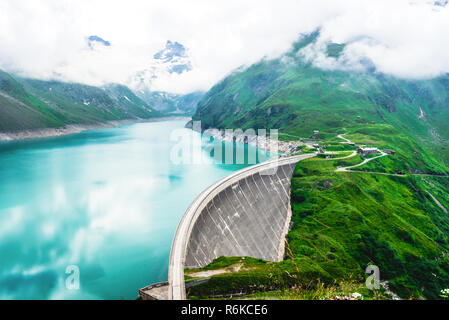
{"type": "Point", "coordinates": [106, 201]}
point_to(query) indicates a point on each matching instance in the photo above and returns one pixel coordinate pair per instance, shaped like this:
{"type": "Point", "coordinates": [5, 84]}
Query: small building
{"type": "Point", "coordinates": [316, 145]}
{"type": "Point", "coordinates": [316, 132]}
{"type": "Point", "coordinates": [367, 151]}
{"type": "Point", "coordinates": [392, 152]}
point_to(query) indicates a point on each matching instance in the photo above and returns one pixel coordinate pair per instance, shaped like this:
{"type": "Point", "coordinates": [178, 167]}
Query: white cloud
{"type": "Point", "coordinates": [403, 38]}
{"type": "Point", "coordinates": [47, 38]}
{"type": "Point", "coordinates": [11, 221]}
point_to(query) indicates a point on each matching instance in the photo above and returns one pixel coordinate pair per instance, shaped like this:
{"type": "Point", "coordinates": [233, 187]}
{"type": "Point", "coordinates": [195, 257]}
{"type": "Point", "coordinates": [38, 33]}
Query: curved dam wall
{"type": "Point", "coordinates": [245, 214]}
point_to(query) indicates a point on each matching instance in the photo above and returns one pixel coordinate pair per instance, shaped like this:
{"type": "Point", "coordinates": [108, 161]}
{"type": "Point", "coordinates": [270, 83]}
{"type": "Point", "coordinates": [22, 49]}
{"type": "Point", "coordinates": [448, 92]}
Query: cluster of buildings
{"type": "Point", "coordinates": [367, 151]}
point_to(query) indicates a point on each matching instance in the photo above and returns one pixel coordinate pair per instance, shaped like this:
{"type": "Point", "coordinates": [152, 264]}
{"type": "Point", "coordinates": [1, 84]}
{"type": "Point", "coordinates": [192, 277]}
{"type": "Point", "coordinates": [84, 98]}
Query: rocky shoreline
{"type": "Point", "coordinates": [264, 143]}
{"type": "Point", "coordinates": [75, 128]}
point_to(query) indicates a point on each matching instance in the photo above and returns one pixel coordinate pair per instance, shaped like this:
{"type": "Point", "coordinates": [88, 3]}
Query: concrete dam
{"type": "Point", "coordinates": [245, 214]}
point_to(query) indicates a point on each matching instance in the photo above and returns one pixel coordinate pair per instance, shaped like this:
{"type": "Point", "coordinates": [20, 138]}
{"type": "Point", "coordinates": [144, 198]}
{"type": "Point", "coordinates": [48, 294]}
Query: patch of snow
{"type": "Point", "coordinates": [422, 115]}
{"type": "Point", "coordinates": [127, 98]}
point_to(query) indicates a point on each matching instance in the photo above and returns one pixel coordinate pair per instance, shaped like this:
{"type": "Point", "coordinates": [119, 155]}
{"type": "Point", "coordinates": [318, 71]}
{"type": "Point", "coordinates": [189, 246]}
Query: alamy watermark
{"type": "Point", "coordinates": [219, 146]}
{"type": "Point", "coordinates": [373, 280]}
{"type": "Point", "coordinates": [72, 282]}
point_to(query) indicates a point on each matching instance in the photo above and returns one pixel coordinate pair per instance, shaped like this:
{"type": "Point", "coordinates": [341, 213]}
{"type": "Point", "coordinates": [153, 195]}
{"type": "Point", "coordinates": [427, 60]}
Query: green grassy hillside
{"type": "Point", "coordinates": [292, 95]}
{"type": "Point", "coordinates": [20, 109]}
{"type": "Point", "coordinates": [31, 104]}
{"type": "Point", "coordinates": [384, 213]}
{"type": "Point", "coordinates": [342, 222]}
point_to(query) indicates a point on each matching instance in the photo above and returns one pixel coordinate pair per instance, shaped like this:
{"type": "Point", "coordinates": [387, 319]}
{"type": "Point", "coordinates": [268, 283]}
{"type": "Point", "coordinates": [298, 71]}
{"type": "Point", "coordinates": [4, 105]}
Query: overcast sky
{"type": "Point", "coordinates": [47, 38]}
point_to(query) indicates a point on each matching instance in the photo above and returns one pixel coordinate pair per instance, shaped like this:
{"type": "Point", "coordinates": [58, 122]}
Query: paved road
{"type": "Point", "coordinates": [347, 169]}
{"type": "Point", "coordinates": [343, 138]}
{"type": "Point", "coordinates": [379, 173]}
{"type": "Point", "coordinates": [350, 156]}
{"type": "Point", "coordinates": [344, 169]}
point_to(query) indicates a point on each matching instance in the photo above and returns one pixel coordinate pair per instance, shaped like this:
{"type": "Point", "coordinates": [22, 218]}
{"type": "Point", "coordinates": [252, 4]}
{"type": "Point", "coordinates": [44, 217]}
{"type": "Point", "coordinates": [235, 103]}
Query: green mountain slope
{"type": "Point", "coordinates": [386, 212]}
{"type": "Point", "coordinates": [21, 110]}
{"type": "Point", "coordinates": [292, 95]}
{"type": "Point", "coordinates": [32, 104]}
{"type": "Point", "coordinates": [344, 221]}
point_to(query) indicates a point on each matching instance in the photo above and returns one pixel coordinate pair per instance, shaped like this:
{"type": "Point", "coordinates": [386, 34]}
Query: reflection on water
{"type": "Point", "coordinates": [107, 201]}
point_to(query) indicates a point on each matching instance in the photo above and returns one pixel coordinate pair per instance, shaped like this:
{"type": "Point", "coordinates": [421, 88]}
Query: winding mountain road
{"type": "Point", "coordinates": [346, 169]}
{"type": "Point", "coordinates": [343, 138]}
{"type": "Point", "coordinates": [346, 157]}
{"type": "Point", "coordinates": [383, 154]}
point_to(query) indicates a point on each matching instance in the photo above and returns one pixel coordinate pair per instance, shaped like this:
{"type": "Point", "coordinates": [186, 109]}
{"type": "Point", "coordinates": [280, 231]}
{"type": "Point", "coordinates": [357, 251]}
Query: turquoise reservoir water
{"type": "Point", "coordinates": [107, 202]}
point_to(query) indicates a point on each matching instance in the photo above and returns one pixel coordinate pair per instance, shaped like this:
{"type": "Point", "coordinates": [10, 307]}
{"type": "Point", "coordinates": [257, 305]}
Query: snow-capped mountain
{"type": "Point", "coordinates": [172, 59]}
{"type": "Point", "coordinates": [441, 3]}
{"type": "Point", "coordinates": [170, 62]}
{"type": "Point", "coordinates": [92, 41]}
{"type": "Point", "coordinates": [175, 57]}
